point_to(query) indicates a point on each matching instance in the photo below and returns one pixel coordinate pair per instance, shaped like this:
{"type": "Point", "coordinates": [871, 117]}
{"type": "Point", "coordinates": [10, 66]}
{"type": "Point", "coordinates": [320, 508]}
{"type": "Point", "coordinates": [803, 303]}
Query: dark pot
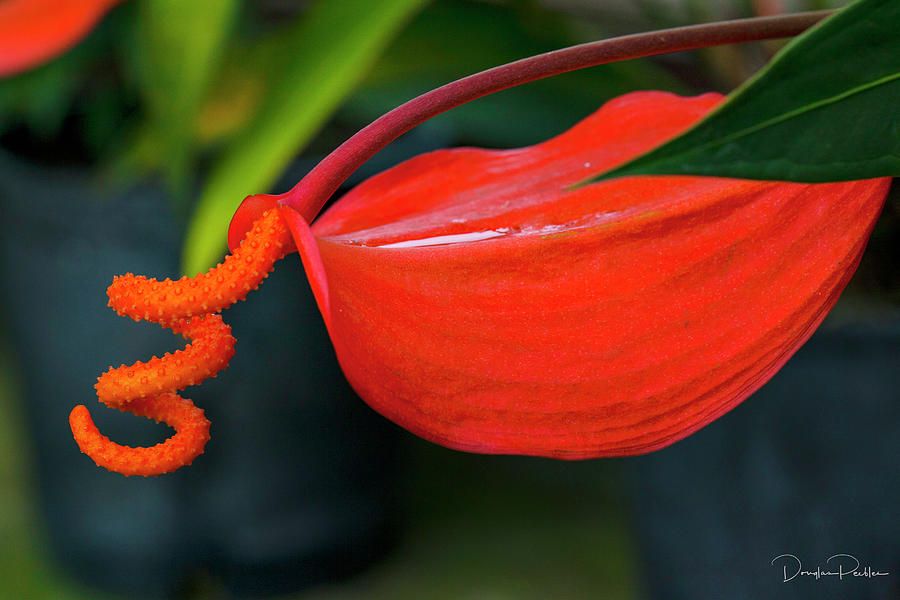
{"type": "Point", "coordinates": [807, 467]}
{"type": "Point", "coordinates": [297, 484]}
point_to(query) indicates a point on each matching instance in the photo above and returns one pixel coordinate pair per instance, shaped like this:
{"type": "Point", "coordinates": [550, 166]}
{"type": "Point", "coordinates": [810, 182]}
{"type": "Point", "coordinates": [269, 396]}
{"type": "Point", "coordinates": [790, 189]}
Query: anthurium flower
{"type": "Point", "coordinates": [34, 31]}
{"type": "Point", "coordinates": [482, 301]}
{"type": "Point", "coordinates": [477, 300]}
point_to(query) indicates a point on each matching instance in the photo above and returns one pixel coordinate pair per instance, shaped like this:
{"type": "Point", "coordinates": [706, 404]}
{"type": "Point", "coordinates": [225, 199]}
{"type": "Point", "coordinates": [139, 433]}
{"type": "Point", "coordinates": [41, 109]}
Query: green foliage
{"type": "Point", "coordinates": [41, 97]}
{"type": "Point", "coordinates": [76, 93]}
{"type": "Point", "coordinates": [180, 43]}
{"type": "Point", "coordinates": [825, 109]}
{"type": "Point", "coordinates": [336, 45]}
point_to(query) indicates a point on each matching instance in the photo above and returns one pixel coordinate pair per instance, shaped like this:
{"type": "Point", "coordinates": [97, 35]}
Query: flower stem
{"type": "Point", "coordinates": [313, 191]}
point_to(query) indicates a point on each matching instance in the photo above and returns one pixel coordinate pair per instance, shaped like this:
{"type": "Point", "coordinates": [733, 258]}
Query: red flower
{"type": "Point", "coordinates": [476, 301]}
{"type": "Point", "coordinates": [34, 31]}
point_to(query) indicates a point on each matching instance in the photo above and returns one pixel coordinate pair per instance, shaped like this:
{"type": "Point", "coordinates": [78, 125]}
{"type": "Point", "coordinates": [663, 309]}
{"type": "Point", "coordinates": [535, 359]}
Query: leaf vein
{"type": "Point", "coordinates": [798, 111]}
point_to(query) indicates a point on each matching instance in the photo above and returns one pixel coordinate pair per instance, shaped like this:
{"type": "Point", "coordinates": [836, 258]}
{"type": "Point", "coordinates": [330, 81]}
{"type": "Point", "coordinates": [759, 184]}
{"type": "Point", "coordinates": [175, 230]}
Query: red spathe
{"type": "Point", "coordinates": [475, 301]}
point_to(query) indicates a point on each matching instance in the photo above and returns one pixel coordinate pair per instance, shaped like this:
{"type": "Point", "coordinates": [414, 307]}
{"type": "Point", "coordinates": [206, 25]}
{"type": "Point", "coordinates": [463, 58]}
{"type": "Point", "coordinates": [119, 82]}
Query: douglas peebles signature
{"type": "Point", "coordinates": [842, 566]}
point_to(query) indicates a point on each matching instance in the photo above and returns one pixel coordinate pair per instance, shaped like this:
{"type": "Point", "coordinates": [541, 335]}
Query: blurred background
{"type": "Point", "coordinates": [130, 151]}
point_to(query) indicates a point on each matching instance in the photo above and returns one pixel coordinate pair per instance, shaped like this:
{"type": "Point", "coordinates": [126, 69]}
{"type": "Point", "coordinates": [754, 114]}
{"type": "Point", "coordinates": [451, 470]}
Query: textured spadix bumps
{"type": "Point", "coordinates": [475, 300]}
{"type": "Point", "coordinates": [187, 306]}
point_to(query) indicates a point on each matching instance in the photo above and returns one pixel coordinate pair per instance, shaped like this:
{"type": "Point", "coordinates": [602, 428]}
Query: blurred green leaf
{"type": "Point", "coordinates": [338, 42]}
{"type": "Point", "coordinates": [449, 39]}
{"type": "Point", "coordinates": [40, 98]}
{"type": "Point", "coordinates": [181, 44]}
{"type": "Point", "coordinates": [825, 109]}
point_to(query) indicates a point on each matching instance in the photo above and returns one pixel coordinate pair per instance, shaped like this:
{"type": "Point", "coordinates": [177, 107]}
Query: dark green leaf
{"type": "Point", "coordinates": [825, 109]}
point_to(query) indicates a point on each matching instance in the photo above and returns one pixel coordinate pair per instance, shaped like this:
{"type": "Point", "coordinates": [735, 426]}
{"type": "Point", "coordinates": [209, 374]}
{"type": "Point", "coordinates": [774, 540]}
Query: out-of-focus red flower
{"type": "Point", "coordinates": [34, 31]}
{"type": "Point", "coordinates": [476, 301]}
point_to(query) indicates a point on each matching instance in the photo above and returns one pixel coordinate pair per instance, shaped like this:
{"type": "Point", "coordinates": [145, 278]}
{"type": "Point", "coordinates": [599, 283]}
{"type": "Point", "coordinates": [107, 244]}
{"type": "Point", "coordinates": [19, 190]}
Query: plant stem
{"type": "Point", "coordinates": [313, 191]}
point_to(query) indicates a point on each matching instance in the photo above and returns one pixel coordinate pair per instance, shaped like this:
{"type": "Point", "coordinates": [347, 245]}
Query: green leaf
{"type": "Point", "coordinates": [448, 40]}
{"type": "Point", "coordinates": [825, 109]}
{"type": "Point", "coordinates": [180, 43]}
{"type": "Point", "coordinates": [337, 44]}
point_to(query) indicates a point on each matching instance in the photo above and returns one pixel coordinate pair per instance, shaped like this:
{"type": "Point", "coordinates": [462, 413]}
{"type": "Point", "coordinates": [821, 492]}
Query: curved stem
{"type": "Point", "coordinates": [312, 192]}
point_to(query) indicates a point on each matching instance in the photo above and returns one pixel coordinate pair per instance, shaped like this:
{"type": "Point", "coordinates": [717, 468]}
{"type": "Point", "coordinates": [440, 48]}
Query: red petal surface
{"type": "Point", "coordinates": [476, 302]}
{"type": "Point", "coordinates": [34, 31]}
